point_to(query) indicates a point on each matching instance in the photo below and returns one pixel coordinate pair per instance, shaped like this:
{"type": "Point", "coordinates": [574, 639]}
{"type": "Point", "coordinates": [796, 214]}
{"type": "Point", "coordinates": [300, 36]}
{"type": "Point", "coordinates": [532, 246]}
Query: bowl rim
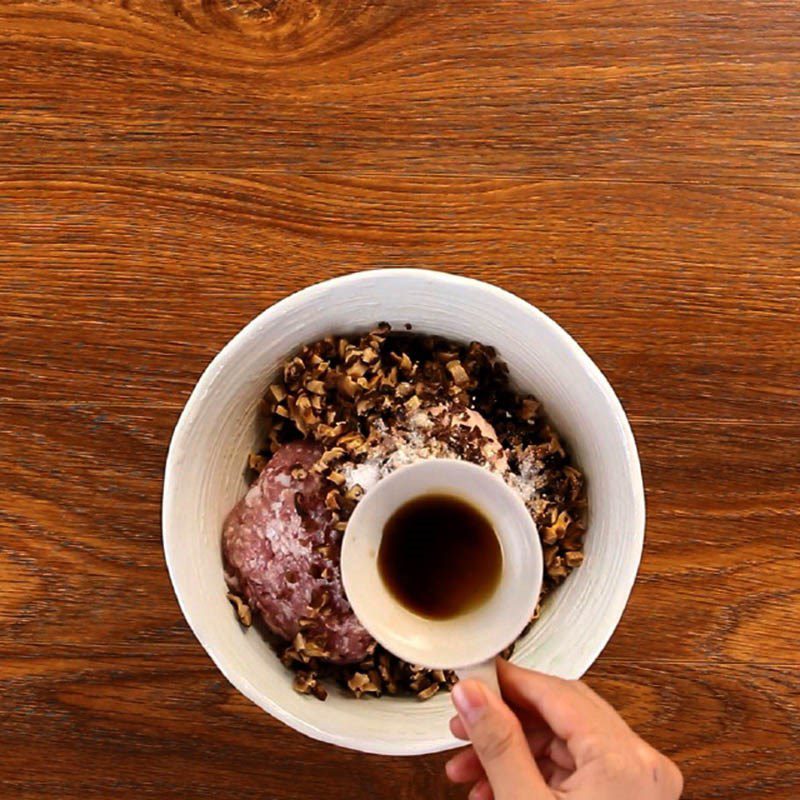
{"type": "Point", "coordinates": [299, 298]}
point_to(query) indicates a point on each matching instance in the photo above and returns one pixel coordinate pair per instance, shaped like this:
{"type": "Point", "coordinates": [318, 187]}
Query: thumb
{"type": "Point", "coordinates": [499, 743]}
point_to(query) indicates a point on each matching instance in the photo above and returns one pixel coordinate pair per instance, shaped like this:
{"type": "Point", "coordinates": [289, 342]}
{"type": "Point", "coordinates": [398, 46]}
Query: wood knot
{"type": "Point", "coordinates": [283, 19]}
{"type": "Point", "coordinates": [288, 31]}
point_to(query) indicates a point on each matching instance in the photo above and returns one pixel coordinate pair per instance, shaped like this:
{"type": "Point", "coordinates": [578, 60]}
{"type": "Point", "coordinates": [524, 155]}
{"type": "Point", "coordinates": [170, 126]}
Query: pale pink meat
{"type": "Point", "coordinates": [271, 545]}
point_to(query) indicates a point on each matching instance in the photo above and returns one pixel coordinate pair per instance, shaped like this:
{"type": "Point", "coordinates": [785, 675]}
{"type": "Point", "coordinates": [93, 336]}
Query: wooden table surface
{"type": "Point", "coordinates": [170, 168]}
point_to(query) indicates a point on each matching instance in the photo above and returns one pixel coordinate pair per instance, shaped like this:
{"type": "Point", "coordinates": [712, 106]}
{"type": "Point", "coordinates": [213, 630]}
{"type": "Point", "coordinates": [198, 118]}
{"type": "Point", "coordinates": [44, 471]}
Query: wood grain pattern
{"type": "Point", "coordinates": [169, 169]}
{"type": "Point", "coordinates": [583, 88]}
{"type": "Point", "coordinates": [672, 342]}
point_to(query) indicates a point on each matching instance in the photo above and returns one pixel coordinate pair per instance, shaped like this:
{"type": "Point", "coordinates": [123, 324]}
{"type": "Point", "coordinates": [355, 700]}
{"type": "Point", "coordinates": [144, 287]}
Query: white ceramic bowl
{"type": "Point", "coordinates": [219, 427]}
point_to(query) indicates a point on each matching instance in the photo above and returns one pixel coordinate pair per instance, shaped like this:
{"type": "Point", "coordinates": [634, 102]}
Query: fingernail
{"type": "Point", "coordinates": [470, 701]}
{"type": "Point", "coordinates": [476, 792]}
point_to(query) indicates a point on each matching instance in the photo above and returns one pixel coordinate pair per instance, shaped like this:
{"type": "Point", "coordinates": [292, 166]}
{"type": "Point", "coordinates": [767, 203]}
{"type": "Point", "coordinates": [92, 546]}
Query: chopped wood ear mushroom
{"type": "Point", "coordinates": [242, 609]}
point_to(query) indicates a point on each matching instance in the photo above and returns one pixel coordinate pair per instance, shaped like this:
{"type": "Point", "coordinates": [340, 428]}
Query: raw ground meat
{"type": "Point", "coordinates": [282, 555]}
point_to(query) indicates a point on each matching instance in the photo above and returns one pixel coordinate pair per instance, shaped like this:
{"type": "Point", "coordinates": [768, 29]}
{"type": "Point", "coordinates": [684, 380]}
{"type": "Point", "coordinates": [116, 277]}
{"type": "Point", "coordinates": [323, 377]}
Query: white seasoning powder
{"type": "Point", "coordinates": [415, 442]}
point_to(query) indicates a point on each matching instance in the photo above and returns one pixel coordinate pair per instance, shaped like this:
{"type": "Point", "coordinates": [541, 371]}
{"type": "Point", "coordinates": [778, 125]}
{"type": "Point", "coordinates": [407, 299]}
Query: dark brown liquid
{"type": "Point", "coordinates": [439, 556]}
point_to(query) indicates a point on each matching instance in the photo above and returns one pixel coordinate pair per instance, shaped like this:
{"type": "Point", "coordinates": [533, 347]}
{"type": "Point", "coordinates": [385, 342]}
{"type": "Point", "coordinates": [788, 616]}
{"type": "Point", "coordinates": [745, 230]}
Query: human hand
{"type": "Point", "coordinates": [552, 740]}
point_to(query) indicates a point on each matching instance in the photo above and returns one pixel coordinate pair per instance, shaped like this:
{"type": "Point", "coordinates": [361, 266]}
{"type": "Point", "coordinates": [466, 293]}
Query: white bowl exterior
{"type": "Point", "coordinates": [218, 428]}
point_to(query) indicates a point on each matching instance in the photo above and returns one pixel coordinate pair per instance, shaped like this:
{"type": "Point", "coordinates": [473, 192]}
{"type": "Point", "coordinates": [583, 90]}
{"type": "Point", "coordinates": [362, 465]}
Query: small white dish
{"type": "Point", "coordinates": [219, 426]}
{"type": "Point", "coordinates": [469, 642]}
